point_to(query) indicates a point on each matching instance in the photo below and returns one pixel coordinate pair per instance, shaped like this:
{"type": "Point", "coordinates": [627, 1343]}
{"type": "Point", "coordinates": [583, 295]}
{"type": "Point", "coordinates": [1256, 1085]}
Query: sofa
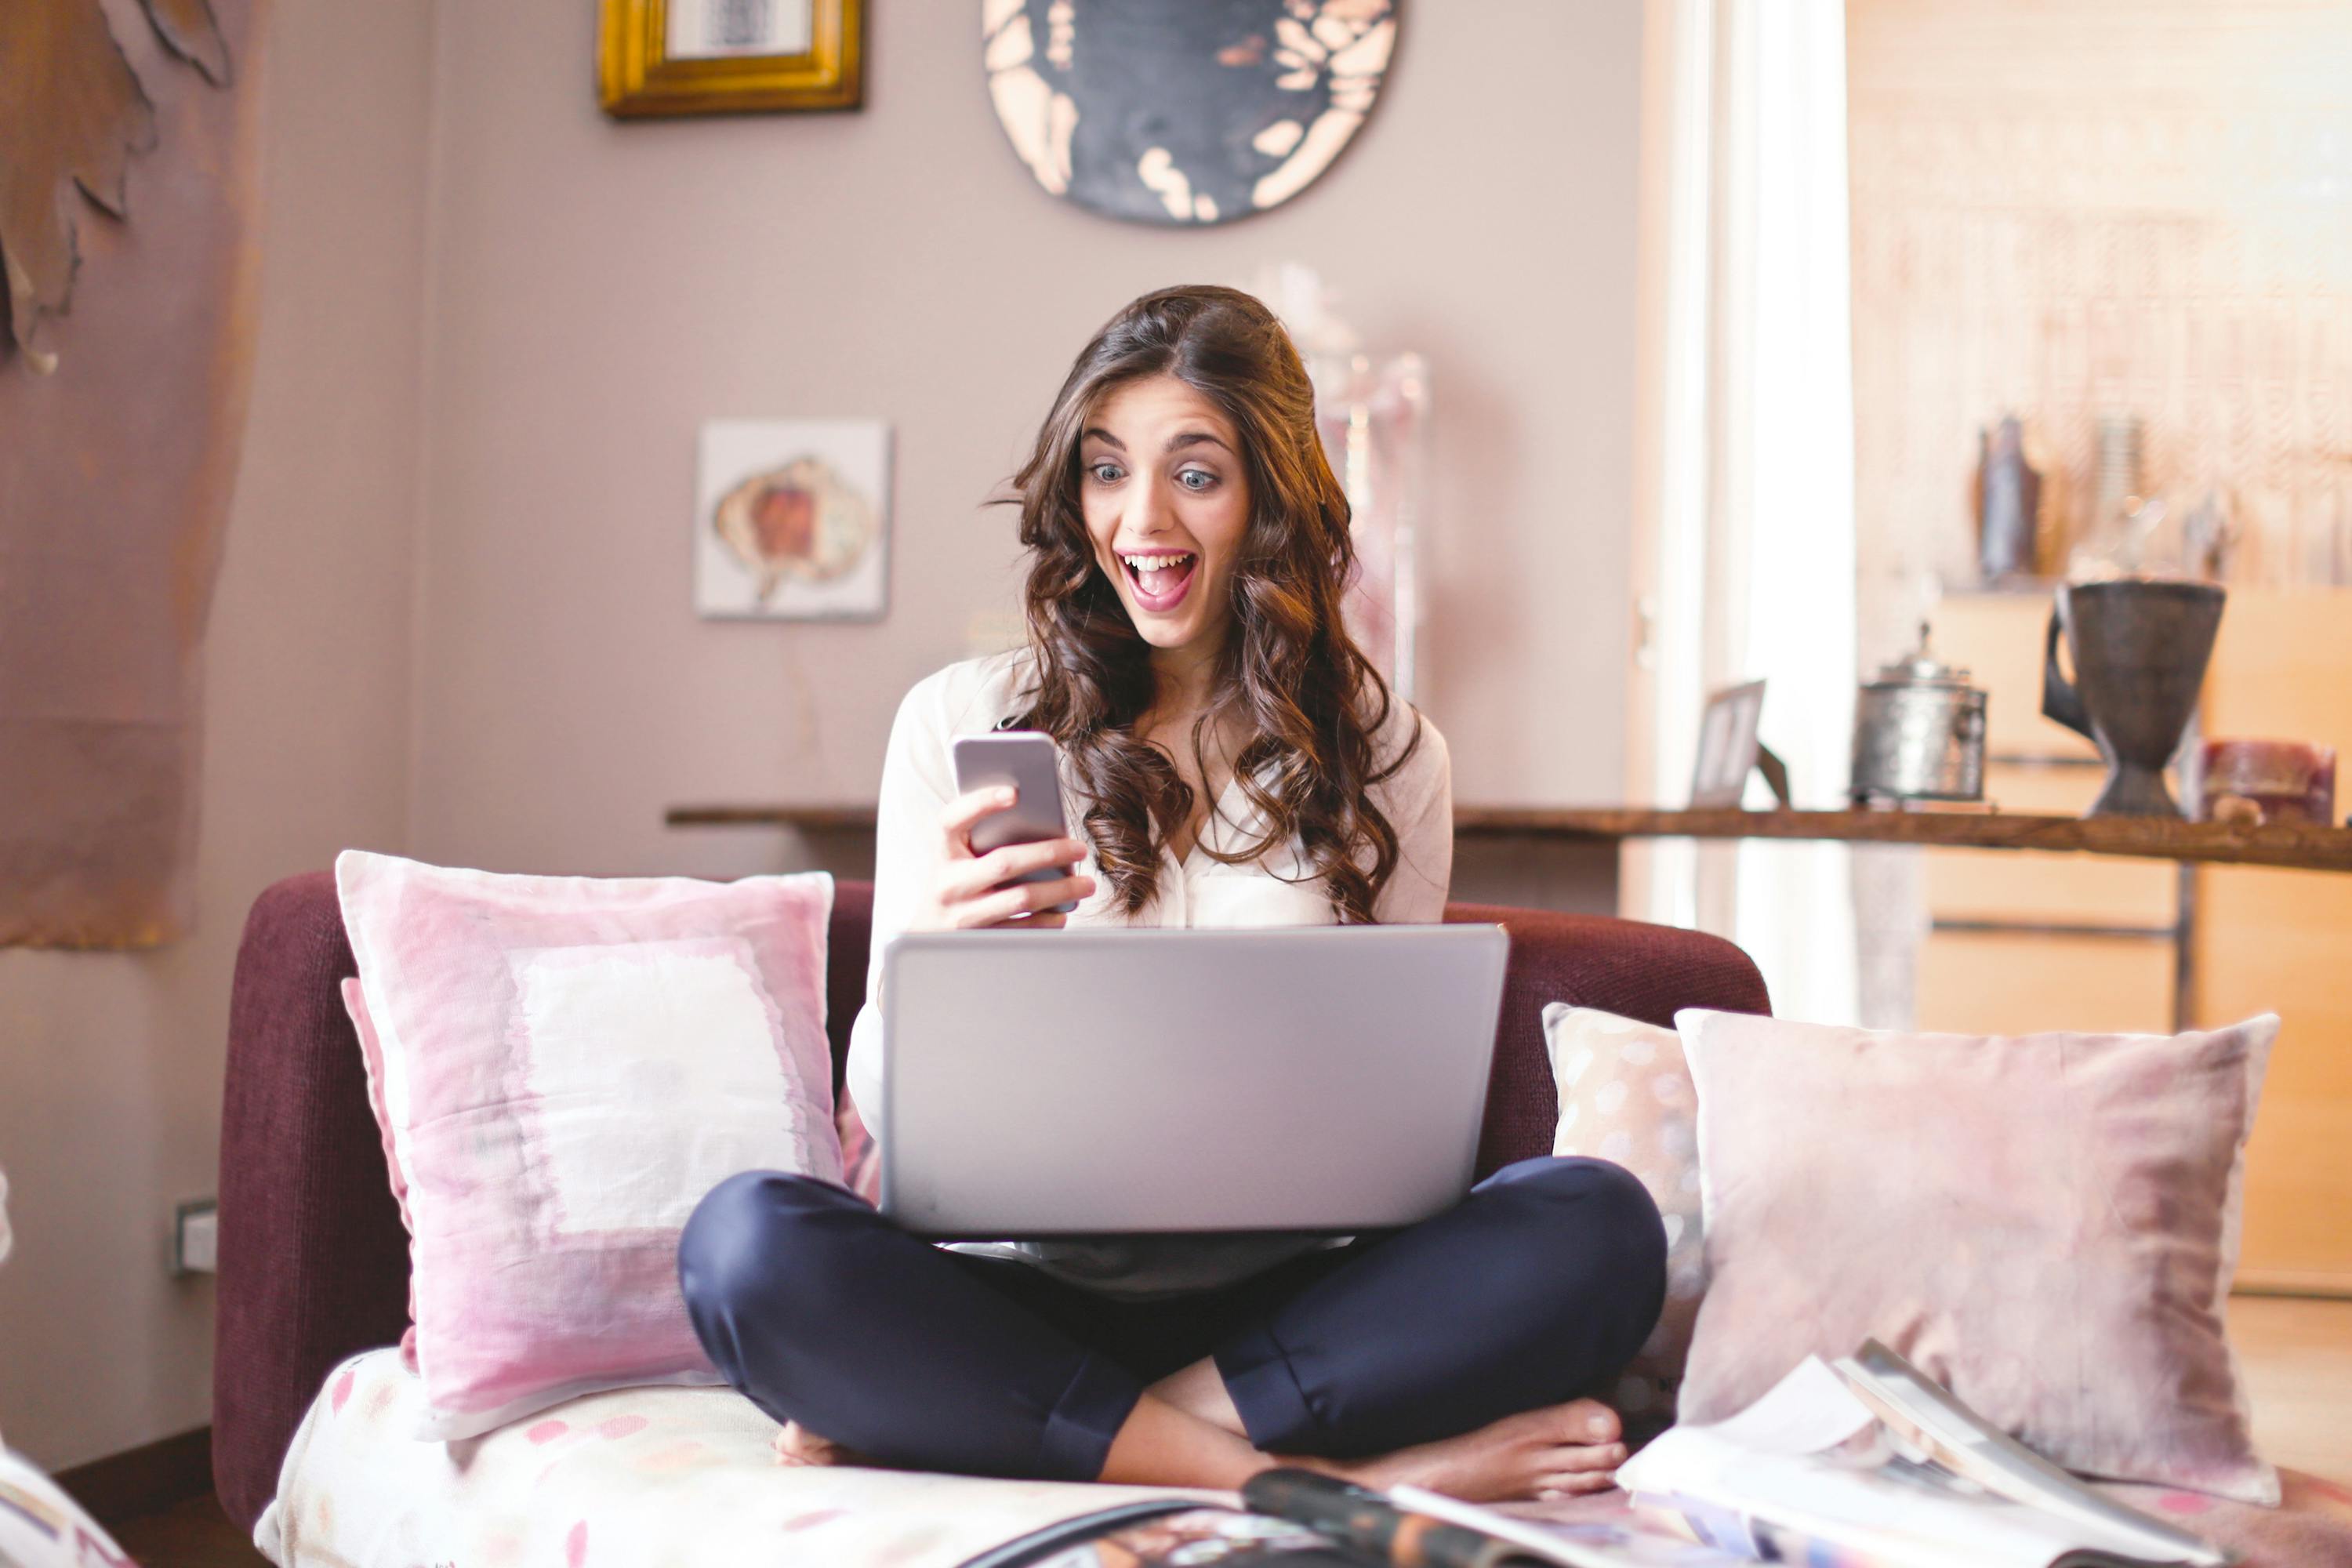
{"type": "Point", "coordinates": [313, 1260]}
{"type": "Point", "coordinates": [313, 1276]}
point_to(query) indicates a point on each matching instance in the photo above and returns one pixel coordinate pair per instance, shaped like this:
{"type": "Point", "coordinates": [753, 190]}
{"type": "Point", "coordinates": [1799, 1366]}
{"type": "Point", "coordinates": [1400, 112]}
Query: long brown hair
{"type": "Point", "coordinates": [1289, 676]}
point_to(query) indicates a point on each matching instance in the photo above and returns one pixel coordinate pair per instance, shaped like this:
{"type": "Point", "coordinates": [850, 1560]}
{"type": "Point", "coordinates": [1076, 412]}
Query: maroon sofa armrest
{"type": "Point", "coordinates": [1636, 971]}
{"type": "Point", "coordinates": [313, 1258]}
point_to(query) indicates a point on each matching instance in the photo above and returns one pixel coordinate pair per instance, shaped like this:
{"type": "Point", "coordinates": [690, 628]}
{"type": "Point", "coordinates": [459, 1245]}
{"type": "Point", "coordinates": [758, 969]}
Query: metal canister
{"type": "Point", "coordinates": [1918, 732]}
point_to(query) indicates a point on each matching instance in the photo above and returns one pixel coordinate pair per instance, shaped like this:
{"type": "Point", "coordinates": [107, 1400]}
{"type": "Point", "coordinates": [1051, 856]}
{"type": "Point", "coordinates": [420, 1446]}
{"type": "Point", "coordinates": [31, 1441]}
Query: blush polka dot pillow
{"type": "Point", "coordinates": [1625, 1096]}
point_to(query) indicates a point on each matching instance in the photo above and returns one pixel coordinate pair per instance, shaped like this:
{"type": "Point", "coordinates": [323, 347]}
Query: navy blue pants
{"type": "Point", "coordinates": [1536, 1289]}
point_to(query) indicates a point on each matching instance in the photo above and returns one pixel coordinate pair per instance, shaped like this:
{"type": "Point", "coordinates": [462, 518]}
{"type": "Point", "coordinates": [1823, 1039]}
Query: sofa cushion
{"type": "Point", "coordinates": [2045, 1224]}
{"type": "Point", "coordinates": [1626, 1096]}
{"type": "Point", "coordinates": [688, 1476]}
{"type": "Point", "coordinates": [683, 1477]}
{"type": "Point", "coordinates": [1635, 970]}
{"type": "Point", "coordinates": [564, 1067]}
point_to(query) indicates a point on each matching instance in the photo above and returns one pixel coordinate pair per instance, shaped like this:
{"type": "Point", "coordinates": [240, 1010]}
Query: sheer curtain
{"type": "Point", "coordinates": [1745, 538]}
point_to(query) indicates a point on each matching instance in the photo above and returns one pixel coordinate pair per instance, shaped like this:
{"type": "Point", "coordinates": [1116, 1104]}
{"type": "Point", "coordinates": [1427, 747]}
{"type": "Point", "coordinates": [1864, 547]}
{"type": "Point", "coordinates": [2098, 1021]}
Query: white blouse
{"type": "Point", "coordinates": [918, 781]}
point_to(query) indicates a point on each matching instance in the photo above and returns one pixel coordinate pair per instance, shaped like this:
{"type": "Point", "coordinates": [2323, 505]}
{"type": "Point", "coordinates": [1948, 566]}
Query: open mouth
{"type": "Point", "coordinates": [1160, 581]}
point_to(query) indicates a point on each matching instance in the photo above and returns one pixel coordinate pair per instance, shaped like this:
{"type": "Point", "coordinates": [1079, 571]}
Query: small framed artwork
{"type": "Point", "coordinates": [725, 56]}
{"type": "Point", "coordinates": [1727, 746]}
{"type": "Point", "coordinates": [791, 519]}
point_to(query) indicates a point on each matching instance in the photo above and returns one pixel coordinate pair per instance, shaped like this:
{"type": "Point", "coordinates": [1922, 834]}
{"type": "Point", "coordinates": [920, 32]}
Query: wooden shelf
{"type": "Point", "coordinates": [2291, 844]}
{"type": "Point", "coordinates": [804, 819]}
{"type": "Point", "coordinates": [2303, 847]}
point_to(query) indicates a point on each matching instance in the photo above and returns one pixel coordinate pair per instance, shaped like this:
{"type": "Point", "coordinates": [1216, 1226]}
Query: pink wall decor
{"type": "Point", "coordinates": [127, 206]}
{"type": "Point", "coordinates": [791, 519]}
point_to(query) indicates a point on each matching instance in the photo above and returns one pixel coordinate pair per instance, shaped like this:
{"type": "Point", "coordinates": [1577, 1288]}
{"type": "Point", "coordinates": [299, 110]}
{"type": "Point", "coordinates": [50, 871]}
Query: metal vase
{"type": "Point", "coordinates": [2139, 650]}
{"type": "Point", "coordinates": [1918, 732]}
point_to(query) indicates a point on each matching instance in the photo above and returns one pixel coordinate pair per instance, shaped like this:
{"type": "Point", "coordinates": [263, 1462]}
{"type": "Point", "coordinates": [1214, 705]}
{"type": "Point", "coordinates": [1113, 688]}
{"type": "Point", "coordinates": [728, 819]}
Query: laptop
{"type": "Point", "coordinates": [1136, 1081]}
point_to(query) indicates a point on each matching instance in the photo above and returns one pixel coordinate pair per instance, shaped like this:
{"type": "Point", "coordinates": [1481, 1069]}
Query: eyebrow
{"type": "Point", "coordinates": [1176, 443]}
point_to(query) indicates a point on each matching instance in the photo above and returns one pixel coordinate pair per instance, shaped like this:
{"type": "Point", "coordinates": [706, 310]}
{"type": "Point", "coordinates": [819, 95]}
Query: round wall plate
{"type": "Point", "coordinates": [1183, 111]}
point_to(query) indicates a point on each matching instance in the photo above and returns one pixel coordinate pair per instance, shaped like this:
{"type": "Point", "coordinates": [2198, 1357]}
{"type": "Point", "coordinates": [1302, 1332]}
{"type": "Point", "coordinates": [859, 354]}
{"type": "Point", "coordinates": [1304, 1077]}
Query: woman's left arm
{"type": "Point", "coordinates": [1419, 801]}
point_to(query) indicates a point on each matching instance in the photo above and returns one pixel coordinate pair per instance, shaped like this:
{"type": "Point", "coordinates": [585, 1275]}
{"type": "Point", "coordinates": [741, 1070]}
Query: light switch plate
{"type": "Point", "coordinates": [196, 1237]}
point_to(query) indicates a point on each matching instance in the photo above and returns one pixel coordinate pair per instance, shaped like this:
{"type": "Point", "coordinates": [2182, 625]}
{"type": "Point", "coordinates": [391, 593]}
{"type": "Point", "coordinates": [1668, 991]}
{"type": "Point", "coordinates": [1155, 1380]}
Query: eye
{"type": "Point", "coordinates": [1197, 480]}
{"type": "Point", "coordinates": [1106, 473]}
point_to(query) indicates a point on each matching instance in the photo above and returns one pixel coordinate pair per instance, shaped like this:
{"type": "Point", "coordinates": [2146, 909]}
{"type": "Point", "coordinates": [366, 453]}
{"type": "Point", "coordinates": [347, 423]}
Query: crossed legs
{"type": "Point", "coordinates": [1453, 1352]}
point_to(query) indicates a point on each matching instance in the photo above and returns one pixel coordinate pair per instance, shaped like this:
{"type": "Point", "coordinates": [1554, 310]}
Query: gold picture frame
{"type": "Point", "coordinates": [639, 75]}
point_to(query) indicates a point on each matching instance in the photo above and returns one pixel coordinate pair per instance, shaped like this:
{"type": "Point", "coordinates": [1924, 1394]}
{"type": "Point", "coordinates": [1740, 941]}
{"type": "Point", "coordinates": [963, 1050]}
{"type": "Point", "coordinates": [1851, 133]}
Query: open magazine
{"type": "Point", "coordinates": [1296, 1519]}
{"type": "Point", "coordinates": [1869, 1462]}
{"type": "Point", "coordinates": [1863, 1464]}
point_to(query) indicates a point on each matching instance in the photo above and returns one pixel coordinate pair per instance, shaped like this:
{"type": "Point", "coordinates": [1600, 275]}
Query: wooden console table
{"type": "Point", "coordinates": [2293, 846]}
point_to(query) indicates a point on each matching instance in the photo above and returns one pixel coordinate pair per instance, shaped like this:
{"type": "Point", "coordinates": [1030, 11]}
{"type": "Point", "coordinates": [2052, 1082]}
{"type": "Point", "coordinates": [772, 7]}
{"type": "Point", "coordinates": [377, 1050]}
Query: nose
{"type": "Point", "coordinates": [1147, 511]}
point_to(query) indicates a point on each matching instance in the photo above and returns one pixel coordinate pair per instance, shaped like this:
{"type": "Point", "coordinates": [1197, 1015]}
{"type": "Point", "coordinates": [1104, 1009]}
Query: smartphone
{"type": "Point", "coordinates": [1029, 762]}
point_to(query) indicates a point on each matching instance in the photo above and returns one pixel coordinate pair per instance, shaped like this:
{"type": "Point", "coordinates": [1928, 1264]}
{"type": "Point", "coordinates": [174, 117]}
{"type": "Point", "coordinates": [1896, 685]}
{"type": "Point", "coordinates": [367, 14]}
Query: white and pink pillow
{"type": "Point", "coordinates": [563, 1067]}
{"type": "Point", "coordinates": [2046, 1225]}
{"type": "Point", "coordinates": [1626, 1096]}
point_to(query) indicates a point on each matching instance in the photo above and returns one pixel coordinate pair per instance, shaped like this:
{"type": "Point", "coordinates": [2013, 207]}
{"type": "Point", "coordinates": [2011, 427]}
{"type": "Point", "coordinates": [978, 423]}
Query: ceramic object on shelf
{"type": "Point", "coordinates": [2139, 649]}
{"type": "Point", "coordinates": [2266, 780]}
{"type": "Point", "coordinates": [2008, 504]}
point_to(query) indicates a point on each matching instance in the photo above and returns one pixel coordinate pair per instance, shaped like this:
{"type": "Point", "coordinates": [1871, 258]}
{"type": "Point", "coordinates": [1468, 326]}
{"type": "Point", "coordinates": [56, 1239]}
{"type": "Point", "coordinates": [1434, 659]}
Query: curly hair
{"type": "Point", "coordinates": [1289, 676]}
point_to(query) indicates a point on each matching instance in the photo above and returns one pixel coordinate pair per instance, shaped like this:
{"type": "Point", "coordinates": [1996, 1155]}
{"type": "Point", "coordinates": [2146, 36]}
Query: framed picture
{"type": "Point", "coordinates": [725, 56]}
{"type": "Point", "coordinates": [791, 519]}
{"type": "Point", "coordinates": [1727, 746]}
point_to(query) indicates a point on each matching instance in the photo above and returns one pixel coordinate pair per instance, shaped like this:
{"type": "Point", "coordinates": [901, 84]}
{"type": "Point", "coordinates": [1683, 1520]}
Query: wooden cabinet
{"type": "Point", "coordinates": [2037, 942]}
{"type": "Point", "coordinates": [2281, 942]}
{"type": "Point", "coordinates": [2022, 942]}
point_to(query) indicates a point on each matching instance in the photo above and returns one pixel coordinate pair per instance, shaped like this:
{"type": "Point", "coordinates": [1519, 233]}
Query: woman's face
{"type": "Point", "coordinates": [1167, 502]}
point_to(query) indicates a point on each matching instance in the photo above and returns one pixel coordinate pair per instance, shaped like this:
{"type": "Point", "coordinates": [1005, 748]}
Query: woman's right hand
{"type": "Point", "coordinates": [969, 892]}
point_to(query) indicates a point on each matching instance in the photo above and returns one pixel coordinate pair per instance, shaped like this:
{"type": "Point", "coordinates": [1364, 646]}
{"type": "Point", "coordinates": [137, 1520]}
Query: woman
{"type": "Point", "coordinates": [1238, 763]}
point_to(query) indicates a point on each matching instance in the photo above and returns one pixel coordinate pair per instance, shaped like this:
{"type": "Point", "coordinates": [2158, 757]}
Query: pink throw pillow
{"type": "Point", "coordinates": [1625, 1096]}
{"type": "Point", "coordinates": [2045, 1224]}
{"type": "Point", "coordinates": [563, 1067]}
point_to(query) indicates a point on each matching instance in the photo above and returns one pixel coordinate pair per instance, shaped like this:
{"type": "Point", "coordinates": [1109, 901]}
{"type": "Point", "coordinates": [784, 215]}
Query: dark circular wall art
{"type": "Point", "coordinates": [1183, 111]}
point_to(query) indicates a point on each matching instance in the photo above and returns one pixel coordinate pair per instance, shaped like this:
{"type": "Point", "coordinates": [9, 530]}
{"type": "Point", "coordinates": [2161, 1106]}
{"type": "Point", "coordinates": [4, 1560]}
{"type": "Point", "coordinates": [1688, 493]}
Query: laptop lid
{"type": "Point", "coordinates": [1134, 1081]}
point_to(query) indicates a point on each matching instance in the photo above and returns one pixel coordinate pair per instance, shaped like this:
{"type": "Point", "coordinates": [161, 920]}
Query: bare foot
{"type": "Point", "coordinates": [796, 1445]}
{"type": "Point", "coordinates": [1556, 1451]}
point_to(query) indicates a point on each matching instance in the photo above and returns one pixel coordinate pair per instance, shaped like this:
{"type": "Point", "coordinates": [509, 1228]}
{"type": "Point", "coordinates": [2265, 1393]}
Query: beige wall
{"type": "Point", "coordinates": [598, 290]}
{"type": "Point", "coordinates": [111, 1064]}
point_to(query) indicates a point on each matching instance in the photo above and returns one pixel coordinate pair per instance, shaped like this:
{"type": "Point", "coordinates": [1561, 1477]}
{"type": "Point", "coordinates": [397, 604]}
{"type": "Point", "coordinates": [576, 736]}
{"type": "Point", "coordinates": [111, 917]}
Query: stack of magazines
{"type": "Point", "coordinates": [1867, 1463]}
